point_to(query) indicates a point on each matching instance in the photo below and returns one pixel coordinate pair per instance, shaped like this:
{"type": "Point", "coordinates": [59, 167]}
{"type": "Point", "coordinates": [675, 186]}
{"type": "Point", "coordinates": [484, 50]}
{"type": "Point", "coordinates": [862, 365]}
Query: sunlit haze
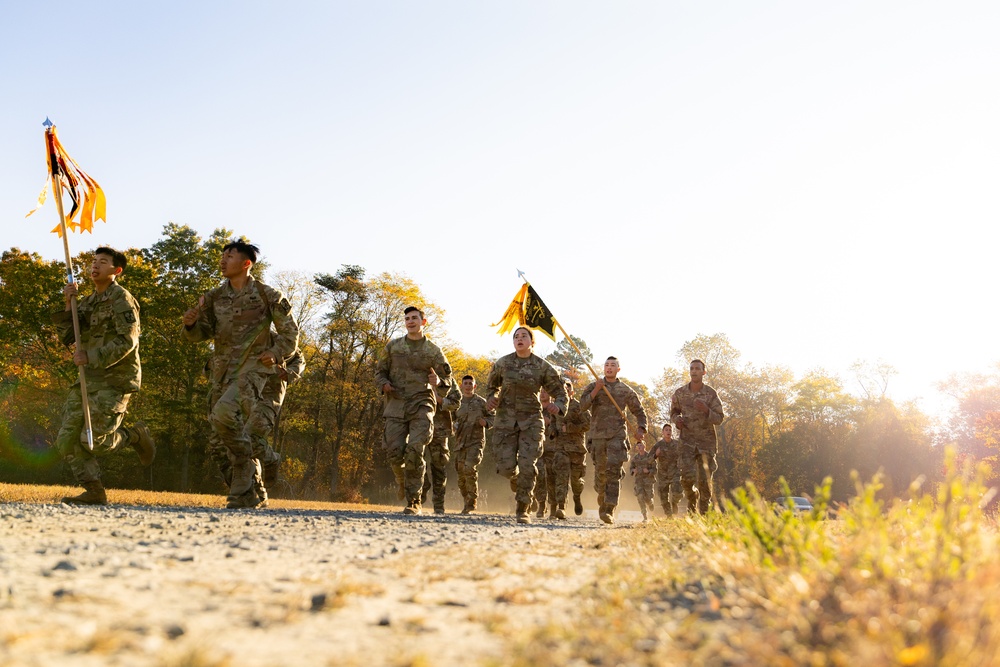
{"type": "Point", "coordinates": [815, 180]}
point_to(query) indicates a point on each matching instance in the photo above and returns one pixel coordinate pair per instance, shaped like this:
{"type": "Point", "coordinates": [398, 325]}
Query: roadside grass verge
{"type": "Point", "coordinates": [914, 583]}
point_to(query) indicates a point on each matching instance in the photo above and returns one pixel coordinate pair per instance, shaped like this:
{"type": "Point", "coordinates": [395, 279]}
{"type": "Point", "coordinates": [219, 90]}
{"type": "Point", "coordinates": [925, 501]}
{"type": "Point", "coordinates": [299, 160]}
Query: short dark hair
{"type": "Point", "coordinates": [531, 334]}
{"type": "Point", "coordinates": [699, 361]}
{"type": "Point", "coordinates": [248, 250]}
{"type": "Point", "coordinates": [410, 309]}
{"type": "Point", "coordinates": [468, 377]}
{"type": "Point", "coordinates": [667, 425]}
{"type": "Point", "coordinates": [118, 258]}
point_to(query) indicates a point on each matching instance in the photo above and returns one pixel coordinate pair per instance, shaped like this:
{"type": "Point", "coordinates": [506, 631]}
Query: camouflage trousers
{"type": "Point", "coordinates": [260, 428]}
{"type": "Point", "coordinates": [404, 442]}
{"type": "Point", "coordinates": [467, 462]}
{"type": "Point", "coordinates": [668, 487]}
{"type": "Point", "coordinates": [436, 469]}
{"type": "Point", "coordinates": [644, 492]}
{"type": "Point", "coordinates": [577, 471]}
{"type": "Point", "coordinates": [541, 487]}
{"type": "Point", "coordinates": [557, 469]}
{"type": "Point", "coordinates": [610, 456]}
{"type": "Point", "coordinates": [107, 409]}
{"type": "Point", "coordinates": [517, 451]}
{"type": "Point", "coordinates": [229, 417]}
{"type": "Point", "coordinates": [697, 467]}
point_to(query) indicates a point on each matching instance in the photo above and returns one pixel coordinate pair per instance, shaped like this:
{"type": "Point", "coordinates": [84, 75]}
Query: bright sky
{"type": "Point", "coordinates": [816, 180]}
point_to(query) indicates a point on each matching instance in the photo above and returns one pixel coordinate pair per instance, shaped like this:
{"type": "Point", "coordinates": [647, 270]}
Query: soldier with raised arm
{"type": "Point", "coordinates": [608, 433]}
{"type": "Point", "coordinates": [237, 317]}
{"type": "Point", "coordinates": [696, 410]}
{"type": "Point", "coordinates": [408, 370]}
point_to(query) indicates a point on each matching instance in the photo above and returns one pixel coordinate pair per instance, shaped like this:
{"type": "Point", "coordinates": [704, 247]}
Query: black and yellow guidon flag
{"type": "Point", "coordinates": [89, 204]}
{"type": "Point", "coordinates": [527, 309]}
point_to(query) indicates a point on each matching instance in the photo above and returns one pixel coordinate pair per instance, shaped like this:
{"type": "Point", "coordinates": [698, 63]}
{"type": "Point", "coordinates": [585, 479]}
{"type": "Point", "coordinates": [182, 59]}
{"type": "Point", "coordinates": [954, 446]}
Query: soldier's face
{"type": "Point", "coordinates": [413, 322]}
{"type": "Point", "coordinates": [233, 264]}
{"type": "Point", "coordinates": [668, 434]}
{"type": "Point", "coordinates": [543, 396]}
{"type": "Point", "coordinates": [640, 448]}
{"type": "Point", "coordinates": [102, 268]}
{"type": "Point", "coordinates": [611, 369]}
{"type": "Point", "coordinates": [697, 372]}
{"type": "Point", "coordinates": [522, 340]}
{"type": "Point", "coordinates": [468, 388]}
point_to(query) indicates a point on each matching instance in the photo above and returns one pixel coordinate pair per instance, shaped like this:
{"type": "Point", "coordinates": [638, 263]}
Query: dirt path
{"type": "Point", "coordinates": [171, 586]}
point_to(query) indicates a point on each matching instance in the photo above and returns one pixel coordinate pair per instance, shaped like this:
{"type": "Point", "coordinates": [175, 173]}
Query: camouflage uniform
{"type": "Point", "coordinates": [109, 332]}
{"type": "Point", "coordinates": [668, 477]}
{"type": "Point", "coordinates": [575, 425]}
{"type": "Point", "coordinates": [699, 443]}
{"type": "Point", "coordinates": [557, 466]}
{"type": "Point", "coordinates": [436, 466]}
{"type": "Point", "coordinates": [609, 439]}
{"type": "Point", "coordinates": [643, 468]}
{"type": "Point", "coordinates": [409, 410]}
{"type": "Point", "coordinates": [239, 324]}
{"type": "Point", "coordinates": [517, 430]}
{"type": "Point", "coordinates": [261, 423]}
{"type": "Point", "coordinates": [468, 445]}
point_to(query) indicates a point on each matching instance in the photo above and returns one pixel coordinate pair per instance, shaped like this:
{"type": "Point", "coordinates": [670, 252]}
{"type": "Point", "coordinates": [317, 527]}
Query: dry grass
{"type": "Point", "coordinates": [913, 584]}
{"type": "Point", "coordinates": [33, 493]}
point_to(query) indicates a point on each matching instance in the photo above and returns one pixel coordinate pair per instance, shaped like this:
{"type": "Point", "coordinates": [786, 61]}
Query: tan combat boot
{"type": "Point", "coordinates": [577, 504]}
{"type": "Point", "coordinates": [522, 513]}
{"type": "Point", "coordinates": [94, 495]}
{"type": "Point", "coordinates": [470, 506]}
{"type": "Point", "coordinates": [413, 506]}
{"type": "Point", "coordinates": [142, 442]}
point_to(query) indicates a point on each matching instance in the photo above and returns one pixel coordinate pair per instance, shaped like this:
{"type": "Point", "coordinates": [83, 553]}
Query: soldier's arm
{"type": "Point", "coordinates": [382, 368]}
{"type": "Point", "coordinates": [585, 399]}
{"type": "Point", "coordinates": [554, 386]}
{"type": "Point", "coordinates": [488, 416]}
{"type": "Point", "coordinates": [443, 370]}
{"type": "Point", "coordinates": [715, 414]}
{"type": "Point", "coordinates": [125, 320]}
{"type": "Point", "coordinates": [495, 380]}
{"type": "Point", "coordinates": [204, 327]}
{"type": "Point", "coordinates": [635, 407]}
{"type": "Point", "coordinates": [675, 408]}
{"type": "Point", "coordinates": [452, 400]}
{"type": "Point", "coordinates": [63, 319]}
{"type": "Point", "coordinates": [287, 339]}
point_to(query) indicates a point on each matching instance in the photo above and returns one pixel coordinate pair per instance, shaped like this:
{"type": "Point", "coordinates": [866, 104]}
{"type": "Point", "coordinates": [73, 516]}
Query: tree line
{"type": "Point", "coordinates": [329, 433]}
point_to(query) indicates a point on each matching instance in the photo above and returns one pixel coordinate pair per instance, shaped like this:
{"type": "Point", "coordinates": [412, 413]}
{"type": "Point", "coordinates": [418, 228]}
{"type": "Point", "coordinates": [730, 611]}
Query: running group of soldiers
{"type": "Point", "coordinates": [541, 434]}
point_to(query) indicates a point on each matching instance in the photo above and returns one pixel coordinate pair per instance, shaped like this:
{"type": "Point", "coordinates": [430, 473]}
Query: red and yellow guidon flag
{"type": "Point", "coordinates": [88, 199]}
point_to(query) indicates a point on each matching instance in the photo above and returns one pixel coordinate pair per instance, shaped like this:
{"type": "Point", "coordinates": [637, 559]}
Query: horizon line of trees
{"type": "Point", "coordinates": [330, 430]}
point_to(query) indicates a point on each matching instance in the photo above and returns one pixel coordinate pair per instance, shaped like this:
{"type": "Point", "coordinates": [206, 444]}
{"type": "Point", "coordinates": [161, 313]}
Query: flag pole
{"type": "Point", "coordinates": [57, 194]}
{"type": "Point", "coordinates": [587, 363]}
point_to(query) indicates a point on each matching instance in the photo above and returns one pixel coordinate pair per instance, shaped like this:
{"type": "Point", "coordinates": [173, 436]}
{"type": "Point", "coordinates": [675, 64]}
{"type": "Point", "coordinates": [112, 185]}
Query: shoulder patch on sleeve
{"type": "Point", "coordinates": [284, 306]}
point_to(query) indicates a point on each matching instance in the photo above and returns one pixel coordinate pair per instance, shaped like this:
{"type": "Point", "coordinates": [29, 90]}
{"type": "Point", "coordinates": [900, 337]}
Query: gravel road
{"type": "Point", "coordinates": [172, 586]}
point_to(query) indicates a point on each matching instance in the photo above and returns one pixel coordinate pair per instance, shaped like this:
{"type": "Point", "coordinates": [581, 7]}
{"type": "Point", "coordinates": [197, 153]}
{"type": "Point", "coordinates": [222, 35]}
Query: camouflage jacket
{"type": "Point", "coordinates": [239, 324]}
{"type": "Point", "coordinates": [109, 332]}
{"type": "Point", "coordinates": [516, 381]}
{"type": "Point", "coordinates": [699, 428]}
{"type": "Point", "coordinates": [405, 364]}
{"type": "Point", "coordinates": [573, 428]}
{"type": "Point", "coordinates": [444, 414]}
{"type": "Point", "coordinates": [666, 454]}
{"type": "Point", "coordinates": [467, 429]}
{"type": "Point", "coordinates": [606, 421]}
{"type": "Point", "coordinates": [643, 466]}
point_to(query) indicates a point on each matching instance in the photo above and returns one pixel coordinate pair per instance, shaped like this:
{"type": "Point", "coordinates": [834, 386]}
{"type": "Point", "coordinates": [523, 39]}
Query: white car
{"type": "Point", "coordinates": [799, 505]}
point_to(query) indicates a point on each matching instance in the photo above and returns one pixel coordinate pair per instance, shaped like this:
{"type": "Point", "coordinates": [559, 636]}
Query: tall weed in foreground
{"type": "Point", "coordinates": [909, 582]}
